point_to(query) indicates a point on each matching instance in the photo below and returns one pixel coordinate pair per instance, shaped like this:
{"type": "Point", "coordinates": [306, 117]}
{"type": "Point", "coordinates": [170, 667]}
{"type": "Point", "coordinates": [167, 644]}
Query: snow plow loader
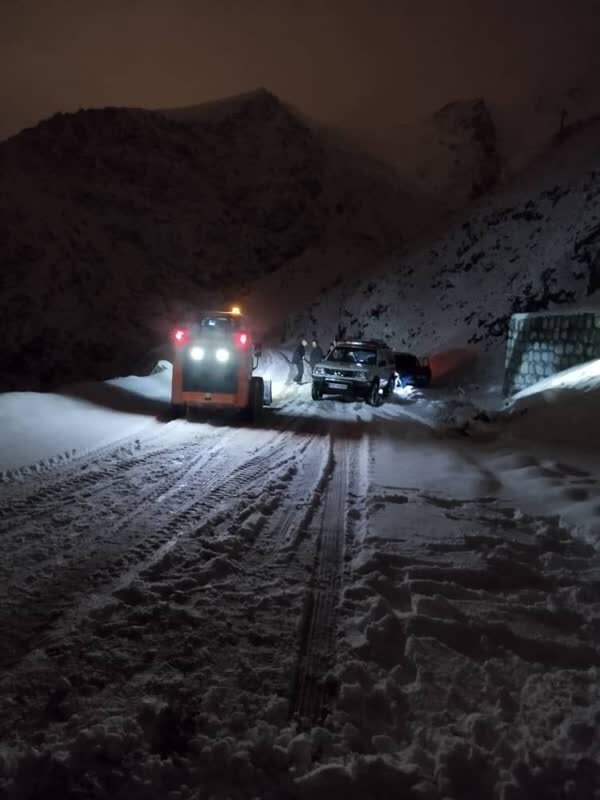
{"type": "Point", "coordinates": [213, 366]}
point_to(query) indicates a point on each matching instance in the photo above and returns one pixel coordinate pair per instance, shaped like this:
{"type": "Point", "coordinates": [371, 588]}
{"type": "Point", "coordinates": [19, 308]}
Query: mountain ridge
{"type": "Point", "coordinates": [531, 245]}
{"type": "Point", "coordinates": [113, 221]}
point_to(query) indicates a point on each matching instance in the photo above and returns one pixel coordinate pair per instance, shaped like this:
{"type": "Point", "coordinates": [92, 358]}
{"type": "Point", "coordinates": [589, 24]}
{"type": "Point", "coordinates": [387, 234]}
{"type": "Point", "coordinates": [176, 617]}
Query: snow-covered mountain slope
{"type": "Point", "coordinates": [112, 221]}
{"type": "Point", "coordinates": [531, 245]}
{"type": "Point", "coordinates": [525, 124]}
{"type": "Point", "coordinates": [454, 155]}
{"type": "Point", "coordinates": [115, 222]}
{"type": "Point", "coordinates": [448, 160]}
{"type": "Point", "coordinates": [475, 139]}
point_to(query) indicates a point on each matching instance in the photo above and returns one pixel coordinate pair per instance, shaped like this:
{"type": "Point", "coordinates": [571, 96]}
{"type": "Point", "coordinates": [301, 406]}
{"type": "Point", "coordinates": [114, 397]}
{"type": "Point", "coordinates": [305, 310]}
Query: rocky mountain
{"type": "Point", "coordinates": [531, 245]}
{"type": "Point", "coordinates": [468, 132]}
{"type": "Point", "coordinates": [446, 161]}
{"type": "Point", "coordinates": [114, 221]}
{"type": "Point", "coordinates": [454, 156]}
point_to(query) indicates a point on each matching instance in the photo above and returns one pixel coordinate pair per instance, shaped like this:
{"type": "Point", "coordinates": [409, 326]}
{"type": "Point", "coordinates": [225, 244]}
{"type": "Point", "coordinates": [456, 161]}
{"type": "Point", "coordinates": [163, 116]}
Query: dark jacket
{"type": "Point", "coordinates": [298, 353]}
{"type": "Point", "coordinates": [316, 355]}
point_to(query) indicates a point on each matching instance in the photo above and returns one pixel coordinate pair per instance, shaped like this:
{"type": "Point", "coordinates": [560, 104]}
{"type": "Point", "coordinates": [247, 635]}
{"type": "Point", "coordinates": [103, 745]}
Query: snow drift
{"type": "Point", "coordinates": [562, 408]}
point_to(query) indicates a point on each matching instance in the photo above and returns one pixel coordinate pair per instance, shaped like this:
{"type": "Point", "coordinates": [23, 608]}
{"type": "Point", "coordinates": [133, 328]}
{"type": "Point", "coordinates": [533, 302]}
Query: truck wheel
{"type": "Point", "coordinates": [389, 389]}
{"type": "Point", "coordinates": [317, 391]}
{"type": "Point", "coordinates": [193, 414]}
{"type": "Point", "coordinates": [255, 398]}
{"type": "Point", "coordinates": [268, 393]}
{"type": "Point", "coordinates": [375, 399]}
{"type": "Point", "coordinates": [177, 410]}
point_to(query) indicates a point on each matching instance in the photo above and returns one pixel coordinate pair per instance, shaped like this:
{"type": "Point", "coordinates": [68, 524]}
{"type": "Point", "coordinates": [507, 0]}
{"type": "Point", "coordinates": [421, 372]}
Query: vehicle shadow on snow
{"type": "Point", "coordinates": [317, 424]}
{"type": "Point", "coordinates": [116, 398]}
{"type": "Point", "coordinates": [273, 420]}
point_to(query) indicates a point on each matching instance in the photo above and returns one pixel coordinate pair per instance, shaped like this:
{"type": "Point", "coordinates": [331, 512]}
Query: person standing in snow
{"type": "Point", "coordinates": [298, 359]}
{"type": "Point", "coordinates": [316, 354]}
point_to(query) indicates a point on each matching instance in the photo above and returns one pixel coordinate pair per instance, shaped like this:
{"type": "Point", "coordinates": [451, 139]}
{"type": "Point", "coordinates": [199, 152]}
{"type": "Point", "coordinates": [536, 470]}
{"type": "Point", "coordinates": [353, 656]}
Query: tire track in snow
{"type": "Point", "coordinates": [291, 522]}
{"type": "Point", "coordinates": [93, 473]}
{"type": "Point", "coordinates": [291, 469]}
{"type": "Point", "coordinates": [218, 495]}
{"type": "Point", "coordinates": [75, 506]}
{"type": "Point", "coordinates": [318, 627]}
{"type": "Point", "coordinates": [39, 594]}
{"type": "Point", "coordinates": [220, 492]}
{"type": "Point", "coordinates": [176, 503]}
{"type": "Point", "coordinates": [159, 474]}
{"type": "Point", "coordinates": [273, 552]}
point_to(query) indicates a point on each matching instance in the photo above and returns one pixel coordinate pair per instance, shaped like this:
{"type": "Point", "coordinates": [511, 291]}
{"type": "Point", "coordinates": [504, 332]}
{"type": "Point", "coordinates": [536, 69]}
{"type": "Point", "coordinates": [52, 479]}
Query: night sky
{"type": "Point", "coordinates": [360, 64]}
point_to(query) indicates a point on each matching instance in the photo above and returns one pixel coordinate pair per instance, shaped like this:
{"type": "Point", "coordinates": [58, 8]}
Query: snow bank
{"type": "Point", "coordinates": [562, 408]}
{"type": "Point", "coordinates": [40, 430]}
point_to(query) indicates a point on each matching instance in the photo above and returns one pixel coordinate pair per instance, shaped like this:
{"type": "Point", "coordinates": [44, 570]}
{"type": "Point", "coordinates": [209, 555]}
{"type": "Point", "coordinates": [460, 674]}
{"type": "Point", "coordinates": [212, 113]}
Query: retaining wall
{"type": "Point", "coordinates": [543, 343]}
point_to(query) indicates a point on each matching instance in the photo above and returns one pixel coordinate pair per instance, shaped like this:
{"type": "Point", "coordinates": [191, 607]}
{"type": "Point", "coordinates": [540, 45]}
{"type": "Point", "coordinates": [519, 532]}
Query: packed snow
{"type": "Point", "coordinates": [400, 601]}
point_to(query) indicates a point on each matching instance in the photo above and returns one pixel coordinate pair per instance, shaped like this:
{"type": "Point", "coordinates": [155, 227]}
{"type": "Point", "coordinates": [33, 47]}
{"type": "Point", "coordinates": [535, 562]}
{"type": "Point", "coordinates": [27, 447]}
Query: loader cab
{"type": "Point", "coordinates": [213, 364]}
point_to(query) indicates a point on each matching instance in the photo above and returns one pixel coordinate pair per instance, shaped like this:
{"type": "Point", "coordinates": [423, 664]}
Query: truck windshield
{"type": "Point", "coordinates": [220, 324]}
{"type": "Point", "coordinates": [352, 355]}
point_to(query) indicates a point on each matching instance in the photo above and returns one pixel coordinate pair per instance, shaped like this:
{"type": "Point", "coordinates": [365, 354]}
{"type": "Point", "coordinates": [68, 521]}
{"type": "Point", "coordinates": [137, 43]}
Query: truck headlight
{"type": "Point", "coordinates": [362, 376]}
{"type": "Point", "coordinates": [222, 355]}
{"type": "Point", "coordinates": [319, 371]}
{"type": "Point", "coordinates": [197, 353]}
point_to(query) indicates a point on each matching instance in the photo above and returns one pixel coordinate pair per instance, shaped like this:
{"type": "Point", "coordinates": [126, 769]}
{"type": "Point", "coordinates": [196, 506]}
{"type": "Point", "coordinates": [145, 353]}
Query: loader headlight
{"type": "Point", "coordinates": [197, 353]}
{"type": "Point", "coordinates": [222, 355]}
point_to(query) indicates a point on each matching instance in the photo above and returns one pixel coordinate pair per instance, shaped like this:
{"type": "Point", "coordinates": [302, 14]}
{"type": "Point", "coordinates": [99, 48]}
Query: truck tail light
{"type": "Point", "coordinates": [180, 335]}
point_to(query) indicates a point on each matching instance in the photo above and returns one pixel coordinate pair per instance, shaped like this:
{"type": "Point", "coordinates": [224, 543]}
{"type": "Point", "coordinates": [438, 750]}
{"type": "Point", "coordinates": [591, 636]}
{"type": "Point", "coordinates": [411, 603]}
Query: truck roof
{"type": "Point", "coordinates": [362, 343]}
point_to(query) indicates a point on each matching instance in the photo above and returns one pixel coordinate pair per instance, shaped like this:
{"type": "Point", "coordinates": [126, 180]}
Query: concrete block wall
{"type": "Point", "coordinates": [543, 343]}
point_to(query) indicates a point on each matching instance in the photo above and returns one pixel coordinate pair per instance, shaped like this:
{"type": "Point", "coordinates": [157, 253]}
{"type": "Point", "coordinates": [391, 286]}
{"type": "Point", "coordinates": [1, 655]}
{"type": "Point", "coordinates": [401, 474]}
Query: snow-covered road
{"type": "Point", "coordinates": [339, 599]}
